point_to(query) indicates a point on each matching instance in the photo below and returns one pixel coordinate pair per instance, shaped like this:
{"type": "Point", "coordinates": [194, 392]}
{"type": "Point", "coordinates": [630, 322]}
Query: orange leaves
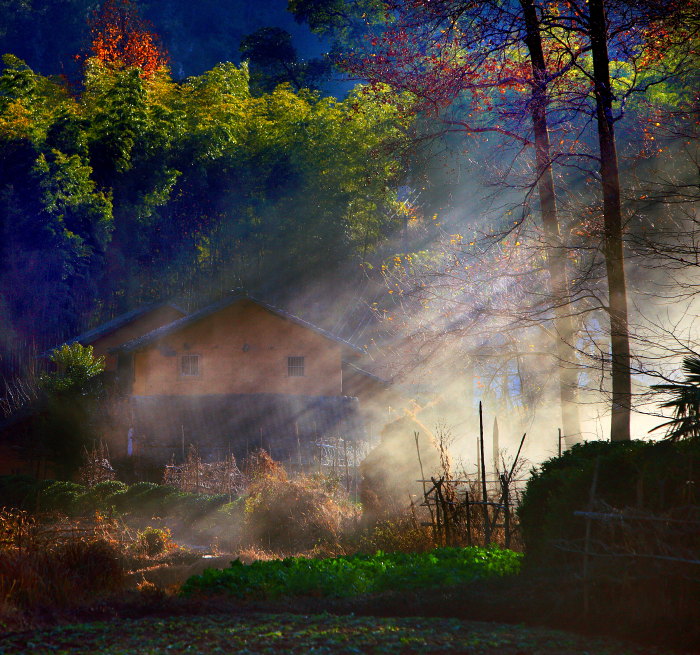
{"type": "Point", "coordinates": [121, 38]}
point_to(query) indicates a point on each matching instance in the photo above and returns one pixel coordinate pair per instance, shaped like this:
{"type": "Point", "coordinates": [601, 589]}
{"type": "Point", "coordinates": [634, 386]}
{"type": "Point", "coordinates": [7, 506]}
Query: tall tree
{"type": "Point", "coordinates": [612, 213]}
{"type": "Point", "coordinates": [441, 51]}
{"type": "Point", "coordinates": [273, 60]}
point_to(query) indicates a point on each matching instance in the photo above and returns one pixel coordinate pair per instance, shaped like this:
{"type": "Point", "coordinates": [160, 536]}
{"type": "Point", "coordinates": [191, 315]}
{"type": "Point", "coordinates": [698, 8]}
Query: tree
{"type": "Point", "coordinates": [76, 370]}
{"type": "Point", "coordinates": [122, 39]}
{"type": "Point", "coordinates": [138, 187]}
{"type": "Point", "coordinates": [55, 222]}
{"type": "Point", "coordinates": [71, 394]}
{"type": "Point", "coordinates": [440, 50]}
{"type": "Point", "coordinates": [685, 402]}
{"type": "Point", "coordinates": [273, 61]}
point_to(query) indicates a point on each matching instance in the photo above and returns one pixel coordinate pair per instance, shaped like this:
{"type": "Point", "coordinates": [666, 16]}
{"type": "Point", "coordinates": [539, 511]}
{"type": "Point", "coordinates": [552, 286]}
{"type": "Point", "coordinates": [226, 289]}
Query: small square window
{"type": "Point", "coordinates": [189, 366]}
{"type": "Point", "coordinates": [295, 367]}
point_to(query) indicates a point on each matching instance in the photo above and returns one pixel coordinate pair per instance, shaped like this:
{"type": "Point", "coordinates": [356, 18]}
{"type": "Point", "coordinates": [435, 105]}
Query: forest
{"type": "Point", "coordinates": [511, 187]}
{"type": "Point", "coordinates": [387, 308]}
{"type": "Point", "coordinates": [124, 186]}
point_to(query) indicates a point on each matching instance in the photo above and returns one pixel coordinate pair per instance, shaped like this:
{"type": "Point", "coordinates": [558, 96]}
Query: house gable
{"type": "Point", "coordinates": [127, 327]}
{"type": "Point", "coordinates": [240, 346]}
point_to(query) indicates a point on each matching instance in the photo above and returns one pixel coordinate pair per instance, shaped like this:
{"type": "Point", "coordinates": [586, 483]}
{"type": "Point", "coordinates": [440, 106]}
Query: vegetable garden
{"type": "Point", "coordinates": [356, 574]}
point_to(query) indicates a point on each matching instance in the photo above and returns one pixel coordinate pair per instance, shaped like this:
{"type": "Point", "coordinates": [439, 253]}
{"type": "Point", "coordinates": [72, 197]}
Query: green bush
{"type": "Point", "coordinates": [356, 574]}
{"type": "Point", "coordinates": [140, 500]}
{"type": "Point", "coordinates": [59, 496]}
{"type": "Point", "coordinates": [649, 476]}
{"type": "Point", "coordinates": [101, 496]}
{"type": "Point", "coordinates": [155, 541]}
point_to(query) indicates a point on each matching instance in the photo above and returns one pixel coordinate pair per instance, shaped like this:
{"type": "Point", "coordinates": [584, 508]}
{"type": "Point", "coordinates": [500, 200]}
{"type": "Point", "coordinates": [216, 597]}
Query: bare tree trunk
{"type": "Point", "coordinates": [556, 252]}
{"type": "Point", "coordinates": [612, 213]}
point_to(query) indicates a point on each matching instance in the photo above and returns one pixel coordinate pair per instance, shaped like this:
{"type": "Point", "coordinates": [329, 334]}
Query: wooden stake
{"type": "Point", "coordinates": [559, 449]}
{"type": "Point", "coordinates": [301, 464]}
{"type": "Point", "coordinates": [487, 527]}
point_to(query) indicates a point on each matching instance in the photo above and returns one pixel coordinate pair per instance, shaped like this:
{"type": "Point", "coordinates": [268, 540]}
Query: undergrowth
{"type": "Point", "coordinates": [355, 574]}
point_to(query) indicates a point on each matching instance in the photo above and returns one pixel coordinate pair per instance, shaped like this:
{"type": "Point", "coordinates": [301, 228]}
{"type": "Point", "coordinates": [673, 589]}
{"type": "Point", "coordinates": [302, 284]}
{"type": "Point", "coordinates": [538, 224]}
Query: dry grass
{"type": "Point", "coordinates": [55, 566]}
{"type": "Point", "coordinates": [297, 515]}
{"type": "Point", "coordinates": [51, 565]}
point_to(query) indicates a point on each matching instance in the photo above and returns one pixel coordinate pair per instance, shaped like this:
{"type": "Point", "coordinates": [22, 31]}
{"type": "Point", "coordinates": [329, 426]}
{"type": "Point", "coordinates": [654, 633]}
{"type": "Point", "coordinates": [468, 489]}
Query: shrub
{"type": "Point", "coordinates": [18, 491]}
{"type": "Point", "coordinates": [140, 500]}
{"type": "Point", "coordinates": [66, 426]}
{"type": "Point", "coordinates": [95, 566]}
{"type": "Point", "coordinates": [643, 578]}
{"type": "Point", "coordinates": [59, 496]}
{"type": "Point", "coordinates": [653, 476]}
{"type": "Point", "coordinates": [41, 567]}
{"type": "Point", "coordinates": [294, 515]}
{"type": "Point", "coordinates": [155, 541]}
{"type": "Point", "coordinates": [400, 534]}
{"type": "Point", "coordinates": [100, 497]}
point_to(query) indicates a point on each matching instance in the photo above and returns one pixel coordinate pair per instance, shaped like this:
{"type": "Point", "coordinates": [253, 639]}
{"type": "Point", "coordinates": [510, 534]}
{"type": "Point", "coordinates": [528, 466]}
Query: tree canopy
{"type": "Point", "coordinates": [138, 187]}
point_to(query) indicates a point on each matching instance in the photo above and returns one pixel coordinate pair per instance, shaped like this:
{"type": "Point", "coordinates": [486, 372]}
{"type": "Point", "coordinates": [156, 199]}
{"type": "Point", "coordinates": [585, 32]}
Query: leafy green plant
{"type": "Point", "coordinates": [72, 391]}
{"type": "Point", "coordinates": [355, 574]}
{"type": "Point", "coordinates": [685, 402]}
{"type": "Point", "coordinates": [155, 541]}
{"type": "Point", "coordinates": [76, 368]}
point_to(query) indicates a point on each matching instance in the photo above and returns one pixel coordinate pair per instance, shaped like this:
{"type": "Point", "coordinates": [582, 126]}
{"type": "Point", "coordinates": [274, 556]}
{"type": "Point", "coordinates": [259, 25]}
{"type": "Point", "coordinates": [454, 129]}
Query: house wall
{"type": "Point", "coordinates": [138, 327]}
{"type": "Point", "coordinates": [243, 349]}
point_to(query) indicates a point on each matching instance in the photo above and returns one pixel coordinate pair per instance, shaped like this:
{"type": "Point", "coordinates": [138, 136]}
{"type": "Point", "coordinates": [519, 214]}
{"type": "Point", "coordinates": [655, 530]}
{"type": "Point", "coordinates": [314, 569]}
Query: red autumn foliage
{"type": "Point", "coordinates": [120, 37]}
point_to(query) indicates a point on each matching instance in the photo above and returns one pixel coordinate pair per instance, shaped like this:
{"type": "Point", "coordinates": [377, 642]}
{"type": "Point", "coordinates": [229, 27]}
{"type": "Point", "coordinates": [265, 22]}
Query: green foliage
{"type": "Point", "coordinates": [71, 391]}
{"type": "Point", "coordinates": [138, 187]}
{"type": "Point", "coordinates": [155, 541]}
{"type": "Point", "coordinates": [653, 476]}
{"type": "Point", "coordinates": [100, 497]}
{"type": "Point", "coordinates": [685, 402]}
{"type": "Point", "coordinates": [345, 21]}
{"type": "Point", "coordinates": [142, 500]}
{"type": "Point", "coordinates": [356, 574]}
{"type": "Point", "coordinates": [76, 369]}
{"type": "Point", "coordinates": [59, 496]}
{"type": "Point", "coordinates": [273, 61]}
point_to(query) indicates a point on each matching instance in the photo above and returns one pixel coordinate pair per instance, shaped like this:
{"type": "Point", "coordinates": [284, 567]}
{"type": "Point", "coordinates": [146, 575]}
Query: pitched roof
{"type": "Point", "coordinates": [175, 326]}
{"type": "Point", "coordinates": [116, 323]}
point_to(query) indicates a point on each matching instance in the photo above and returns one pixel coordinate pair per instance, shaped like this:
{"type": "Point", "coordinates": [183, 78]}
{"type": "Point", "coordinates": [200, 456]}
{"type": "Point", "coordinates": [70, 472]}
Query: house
{"type": "Point", "coordinates": [239, 345]}
{"type": "Point", "coordinates": [236, 375]}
